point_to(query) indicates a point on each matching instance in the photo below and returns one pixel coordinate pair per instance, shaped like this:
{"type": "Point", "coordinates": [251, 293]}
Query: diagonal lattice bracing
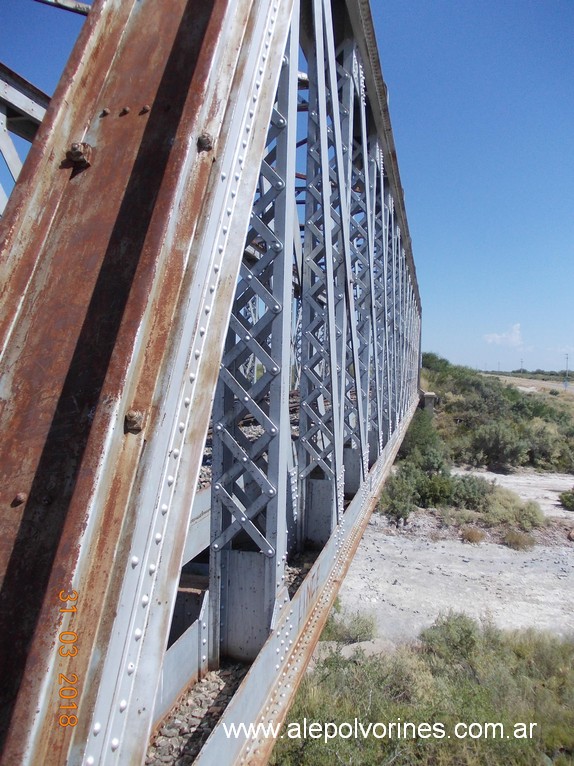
{"type": "Point", "coordinates": [248, 266]}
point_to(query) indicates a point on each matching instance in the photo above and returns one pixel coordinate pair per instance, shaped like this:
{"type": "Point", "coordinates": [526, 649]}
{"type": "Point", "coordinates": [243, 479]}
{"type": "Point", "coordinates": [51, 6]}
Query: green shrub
{"type": "Point", "coordinates": [544, 444]}
{"type": "Point", "coordinates": [348, 628]}
{"type": "Point", "coordinates": [472, 492]}
{"type": "Point", "coordinates": [399, 498]}
{"type": "Point", "coordinates": [505, 507]}
{"type": "Point", "coordinates": [459, 672]}
{"type": "Point", "coordinates": [452, 636]}
{"type": "Point", "coordinates": [485, 422]}
{"type": "Point", "coordinates": [434, 362]}
{"type": "Point", "coordinates": [436, 490]}
{"type": "Point", "coordinates": [499, 446]}
{"type": "Point", "coordinates": [530, 516]}
{"type": "Point", "coordinates": [567, 499]}
{"type": "Point", "coordinates": [422, 443]}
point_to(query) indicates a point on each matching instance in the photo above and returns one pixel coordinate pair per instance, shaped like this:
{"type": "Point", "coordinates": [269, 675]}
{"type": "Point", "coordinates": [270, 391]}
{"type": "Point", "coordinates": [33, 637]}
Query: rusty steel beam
{"type": "Point", "coordinates": [107, 261]}
{"type": "Point", "coordinates": [166, 156]}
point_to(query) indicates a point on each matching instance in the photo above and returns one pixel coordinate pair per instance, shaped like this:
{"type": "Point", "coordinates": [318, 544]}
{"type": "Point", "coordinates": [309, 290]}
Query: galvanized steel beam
{"type": "Point", "coordinates": [68, 5]}
{"type": "Point", "coordinates": [221, 209]}
{"type": "Point", "coordinates": [22, 108]}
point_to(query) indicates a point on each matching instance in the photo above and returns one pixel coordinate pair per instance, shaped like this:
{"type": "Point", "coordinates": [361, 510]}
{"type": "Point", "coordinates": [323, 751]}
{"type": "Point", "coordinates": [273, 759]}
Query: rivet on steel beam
{"type": "Point", "coordinates": [20, 498]}
{"type": "Point", "coordinates": [97, 728]}
{"type": "Point", "coordinates": [79, 154]}
{"type": "Point", "coordinates": [204, 142]}
{"type": "Point", "coordinates": [105, 111]}
{"type": "Point", "coordinates": [145, 109]}
{"type": "Point", "coordinates": [115, 743]}
{"type": "Point", "coordinates": [133, 423]}
{"type": "Point", "coordinates": [125, 110]}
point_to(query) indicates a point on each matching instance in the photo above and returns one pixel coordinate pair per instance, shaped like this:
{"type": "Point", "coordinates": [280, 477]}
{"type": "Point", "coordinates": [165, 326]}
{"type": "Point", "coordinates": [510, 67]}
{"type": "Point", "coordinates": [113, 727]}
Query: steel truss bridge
{"type": "Point", "coordinates": [206, 281]}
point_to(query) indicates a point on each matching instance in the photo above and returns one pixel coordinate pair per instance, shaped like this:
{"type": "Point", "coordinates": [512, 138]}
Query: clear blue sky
{"type": "Point", "coordinates": [482, 106]}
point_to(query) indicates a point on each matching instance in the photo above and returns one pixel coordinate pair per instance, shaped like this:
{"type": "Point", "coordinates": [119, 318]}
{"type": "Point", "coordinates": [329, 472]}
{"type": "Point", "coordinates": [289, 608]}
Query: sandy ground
{"type": "Point", "coordinates": [407, 577]}
{"type": "Point", "coordinates": [544, 488]}
{"type": "Point", "coordinates": [531, 385]}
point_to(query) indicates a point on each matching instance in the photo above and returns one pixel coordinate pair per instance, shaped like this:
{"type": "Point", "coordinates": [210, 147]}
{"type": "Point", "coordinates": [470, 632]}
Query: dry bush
{"type": "Point", "coordinates": [472, 535]}
{"type": "Point", "coordinates": [518, 541]}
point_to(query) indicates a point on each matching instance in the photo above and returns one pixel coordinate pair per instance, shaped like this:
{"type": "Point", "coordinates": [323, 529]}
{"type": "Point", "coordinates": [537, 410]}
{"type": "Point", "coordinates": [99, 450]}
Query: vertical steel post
{"type": "Point", "coordinates": [250, 462]}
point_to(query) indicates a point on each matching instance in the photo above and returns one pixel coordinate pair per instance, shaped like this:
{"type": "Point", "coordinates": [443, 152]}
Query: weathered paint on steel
{"type": "Point", "coordinates": [78, 289]}
{"type": "Point", "coordinates": [95, 299]}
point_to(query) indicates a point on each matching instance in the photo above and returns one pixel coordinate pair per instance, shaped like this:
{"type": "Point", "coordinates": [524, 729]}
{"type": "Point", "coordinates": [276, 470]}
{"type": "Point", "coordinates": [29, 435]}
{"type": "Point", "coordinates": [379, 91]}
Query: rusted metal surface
{"type": "Point", "coordinates": [94, 261]}
{"type": "Point", "coordinates": [121, 247]}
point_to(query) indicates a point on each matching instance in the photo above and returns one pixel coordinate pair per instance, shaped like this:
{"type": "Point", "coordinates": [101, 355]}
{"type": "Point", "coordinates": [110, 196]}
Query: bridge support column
{"type": "Point", "coordinates": [251, 428]}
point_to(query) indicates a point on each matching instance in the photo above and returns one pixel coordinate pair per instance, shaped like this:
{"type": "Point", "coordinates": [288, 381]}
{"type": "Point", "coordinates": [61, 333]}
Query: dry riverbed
{"type": "Point", "coordinates": [407, 577]}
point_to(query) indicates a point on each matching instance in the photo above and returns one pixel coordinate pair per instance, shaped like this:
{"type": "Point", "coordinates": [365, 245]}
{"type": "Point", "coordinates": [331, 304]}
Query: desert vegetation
{"type": "Point", "coordinates": [567, 499]}
{"type": "Point", "coordinates": [484, 422]}
{"type": "Point", "coordinates": [478, 422]}
{"type": "Point", "coordinates": [422, 479]}
{"type": "Point", "coordinates": [458, 671]}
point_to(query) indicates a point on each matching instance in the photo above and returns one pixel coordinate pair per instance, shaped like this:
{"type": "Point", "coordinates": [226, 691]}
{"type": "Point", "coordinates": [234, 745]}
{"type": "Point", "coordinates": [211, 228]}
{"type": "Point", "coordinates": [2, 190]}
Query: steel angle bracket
{"type": "Point", "coordinates": [115, 306]}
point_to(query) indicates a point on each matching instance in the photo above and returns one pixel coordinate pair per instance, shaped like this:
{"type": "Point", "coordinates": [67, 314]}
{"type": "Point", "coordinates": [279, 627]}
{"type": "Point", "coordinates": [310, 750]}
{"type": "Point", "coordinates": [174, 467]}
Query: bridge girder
{"type": "Point", "coordinates": [172, 272]}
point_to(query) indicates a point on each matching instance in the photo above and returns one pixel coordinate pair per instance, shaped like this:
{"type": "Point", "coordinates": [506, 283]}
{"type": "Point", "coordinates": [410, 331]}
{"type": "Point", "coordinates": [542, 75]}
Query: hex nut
{"type": "Point", "coordinates": [204, 142]}
{"type": "Point", "coordinates": [133, 421]}
{"type": "Point", "coordinates": [80, 154]}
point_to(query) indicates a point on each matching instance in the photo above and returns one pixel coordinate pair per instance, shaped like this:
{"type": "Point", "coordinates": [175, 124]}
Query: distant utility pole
{"type": "Point", "coordinates": [566, 377]}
